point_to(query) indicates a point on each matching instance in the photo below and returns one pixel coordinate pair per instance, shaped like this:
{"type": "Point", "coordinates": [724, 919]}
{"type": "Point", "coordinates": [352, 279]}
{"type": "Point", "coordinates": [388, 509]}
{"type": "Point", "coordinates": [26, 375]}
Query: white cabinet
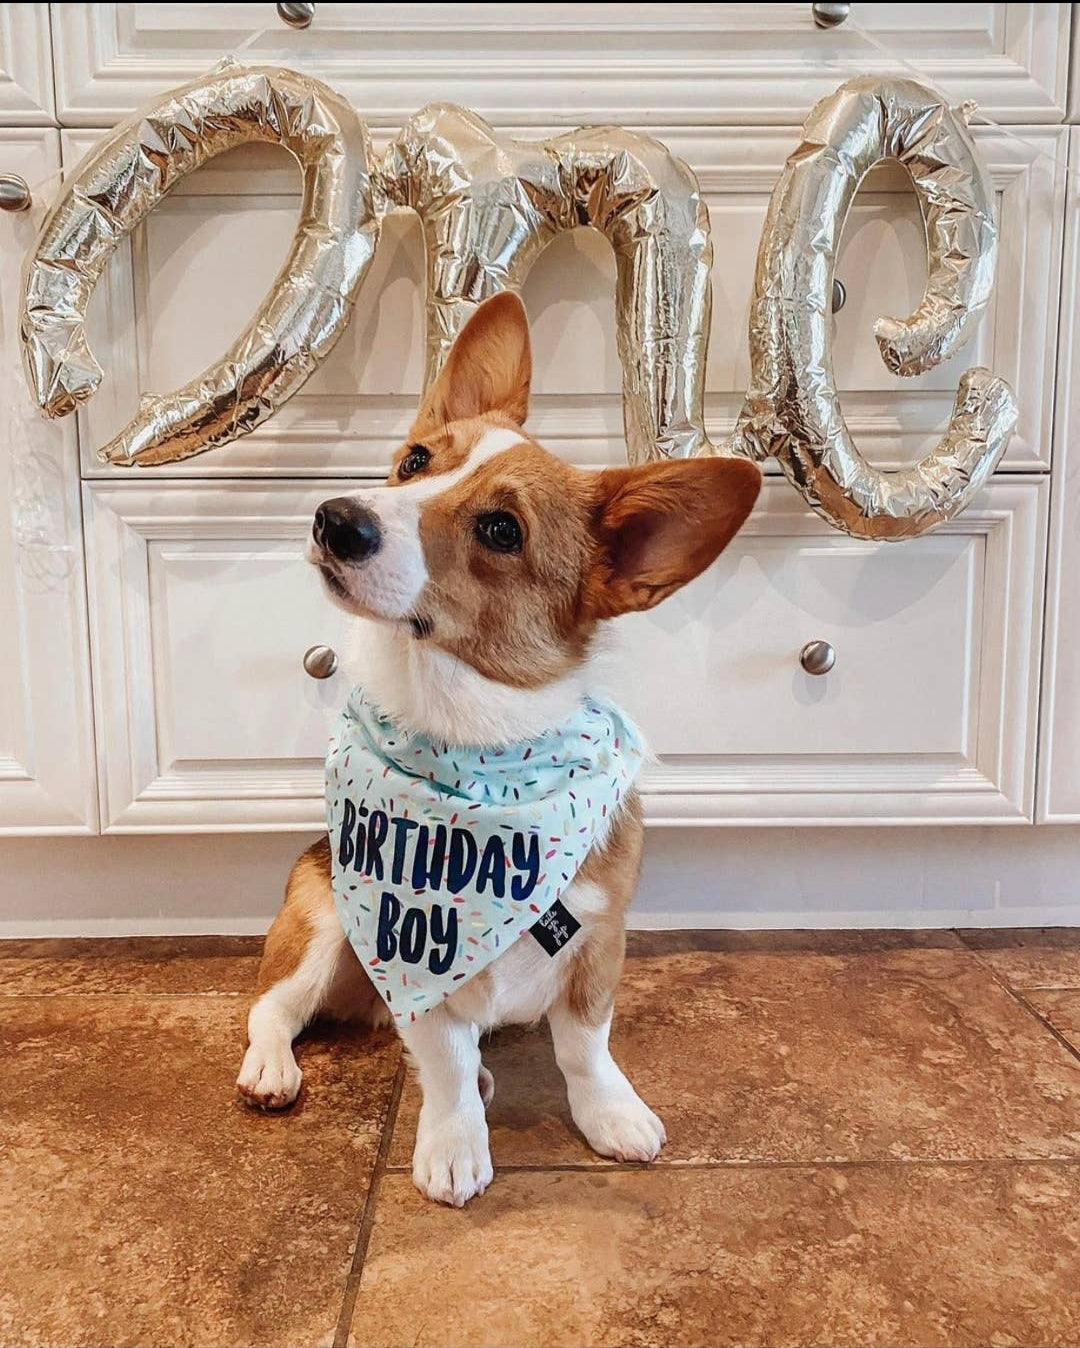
{"type": "Point", "coordinates": [200, 605]}
{"type": "Point", "coordinates": [545, 64]}
{"type": "Point", "coordinates": [202, 608]}
{"type": "Point", "coordinates": [46, 747]}
{"type": "Point", "coordinates": [204, 259]}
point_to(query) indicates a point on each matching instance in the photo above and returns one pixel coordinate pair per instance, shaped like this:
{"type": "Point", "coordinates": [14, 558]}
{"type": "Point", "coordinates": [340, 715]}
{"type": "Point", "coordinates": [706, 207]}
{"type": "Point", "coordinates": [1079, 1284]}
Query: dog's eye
{"type": "Point", "coordinates": [417, 459]}
{"type": "Point", "coordinates": [499, 531]}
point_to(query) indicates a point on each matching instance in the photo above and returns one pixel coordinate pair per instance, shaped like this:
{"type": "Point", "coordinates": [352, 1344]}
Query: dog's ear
{"type": "Point", "coordinates": [658, 525]}
{"type": "Point", "coordinates": [488, 369]}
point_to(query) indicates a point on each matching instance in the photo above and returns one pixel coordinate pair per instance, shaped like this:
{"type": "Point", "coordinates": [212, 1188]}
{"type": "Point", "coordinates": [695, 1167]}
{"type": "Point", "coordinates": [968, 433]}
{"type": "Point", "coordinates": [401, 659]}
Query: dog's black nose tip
{"type": "Point", "coordinates": [346, 529]}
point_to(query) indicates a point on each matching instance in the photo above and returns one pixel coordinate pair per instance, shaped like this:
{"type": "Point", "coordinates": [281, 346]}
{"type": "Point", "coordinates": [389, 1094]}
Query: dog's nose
{"type": "Point", "coordinates": [346, 529]}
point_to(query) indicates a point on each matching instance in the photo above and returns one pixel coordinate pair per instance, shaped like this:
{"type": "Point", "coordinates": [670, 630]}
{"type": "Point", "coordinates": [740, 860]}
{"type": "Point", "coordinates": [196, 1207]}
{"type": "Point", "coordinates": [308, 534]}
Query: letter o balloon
{"type": "Point", "coordinates": [120, 182]}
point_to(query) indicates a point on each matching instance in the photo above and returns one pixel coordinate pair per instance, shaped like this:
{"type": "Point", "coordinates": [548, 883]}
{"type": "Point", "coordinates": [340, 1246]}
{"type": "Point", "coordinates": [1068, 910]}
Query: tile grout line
{"type": "Point", "coordinates": [1047, 1024]}
{"type": "Point", "coordinates": [978, 952]}
{"type": "Point", "coordinates": [859, 1163]}
{"type": "Point", "coordinates": [56, 994]}
{"type": "Point", "coordinates": [1022, 1001]}
{"type": "Point", "coordinates": [367, 1217]}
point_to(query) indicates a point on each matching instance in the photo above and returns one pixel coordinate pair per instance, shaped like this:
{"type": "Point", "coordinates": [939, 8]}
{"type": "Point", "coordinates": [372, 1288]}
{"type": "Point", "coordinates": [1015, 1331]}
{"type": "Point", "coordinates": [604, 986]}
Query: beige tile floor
{"type": "Point", "coordinates": [873, 1139]}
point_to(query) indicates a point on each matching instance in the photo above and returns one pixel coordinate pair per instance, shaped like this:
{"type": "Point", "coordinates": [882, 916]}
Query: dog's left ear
{"type": "Point", "coordinates": [658, 525]}
{"type": "Point", "coordinates": [488, 369]}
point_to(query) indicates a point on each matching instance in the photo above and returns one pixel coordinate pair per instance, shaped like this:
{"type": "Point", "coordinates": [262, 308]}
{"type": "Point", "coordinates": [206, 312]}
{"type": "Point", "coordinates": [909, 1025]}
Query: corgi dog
{"type": "Point", "coordinates": [482, 570]}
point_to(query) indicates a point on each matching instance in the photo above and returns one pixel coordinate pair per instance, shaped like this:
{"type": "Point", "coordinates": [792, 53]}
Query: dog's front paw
{"type": "Point", "coordinates": [619, 1124]}
{"type": "Point", "coordinates": [451, 1161]}
{"type": "Point", "coordinates": [269, 1078]}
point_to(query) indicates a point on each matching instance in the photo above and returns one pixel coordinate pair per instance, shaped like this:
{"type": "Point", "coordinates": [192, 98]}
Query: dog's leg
{"type": "Point", "coordinates": [613, 1117]}
{"type": "Point", "coordinates": [307, 966]}
{"type": "Point", "coordinates": [451, 1161]}
{"type": "Point", "coordinates": [607, 1109]}
{"type": "Point", "coordinates": [269, 1076]}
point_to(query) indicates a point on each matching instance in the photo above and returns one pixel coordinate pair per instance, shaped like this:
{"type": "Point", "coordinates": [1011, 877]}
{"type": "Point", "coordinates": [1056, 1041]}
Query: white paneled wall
{"type": "Point", "coordinates": [952, 700]}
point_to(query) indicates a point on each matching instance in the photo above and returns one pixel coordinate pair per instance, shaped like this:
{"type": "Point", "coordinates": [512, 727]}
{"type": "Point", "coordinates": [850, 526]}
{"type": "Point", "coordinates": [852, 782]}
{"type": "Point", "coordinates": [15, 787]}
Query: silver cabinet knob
{"type": "Point", "coordinates": [817, 657]}
{"type": "Point", "coordinates": [320, 661]}
{"type": "Point", "coordinates": [296, 16]}
{"type": "Point", "coordinates": [825, 16]}
{"type": "Point", "coordinates": [14, 193]}
{"type": "Point", "coordinates": [839, 295]}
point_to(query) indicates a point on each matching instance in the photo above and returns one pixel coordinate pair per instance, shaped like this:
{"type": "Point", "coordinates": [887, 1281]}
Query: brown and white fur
{"type": "Point", "coordinates": [473, 640]}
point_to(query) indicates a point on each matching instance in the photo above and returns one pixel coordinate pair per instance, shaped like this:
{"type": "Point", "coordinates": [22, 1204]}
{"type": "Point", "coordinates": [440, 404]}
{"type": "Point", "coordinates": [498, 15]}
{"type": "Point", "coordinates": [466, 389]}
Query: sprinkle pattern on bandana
{"type": "Point", "coordinates": [442, 856]}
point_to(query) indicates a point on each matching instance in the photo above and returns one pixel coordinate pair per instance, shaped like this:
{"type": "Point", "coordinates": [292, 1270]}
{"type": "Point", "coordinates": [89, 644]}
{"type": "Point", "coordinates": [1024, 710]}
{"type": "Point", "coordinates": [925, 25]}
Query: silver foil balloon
{"type": "Point", "coordinates": [125, 176]}
{"type": "Point", "coordinates": [792, 409]}
{"type": "Point", "coordinates": [489, 205]}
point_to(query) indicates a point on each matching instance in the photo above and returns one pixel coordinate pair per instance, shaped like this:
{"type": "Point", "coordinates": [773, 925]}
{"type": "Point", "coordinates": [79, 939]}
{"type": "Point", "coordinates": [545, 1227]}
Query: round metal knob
{"type": "Point", "coordinates": [320, 661]}
{"type": "Point", "coordinates": [296, 16]}
{"type": "Point", "coordinates": [817, 657]}
{"type": "Point", "coordinates": [839, 295]}
{"type": "Point", "coordinates": [825, 16]}
{"type": "Point", "coordinates": [14, 193]}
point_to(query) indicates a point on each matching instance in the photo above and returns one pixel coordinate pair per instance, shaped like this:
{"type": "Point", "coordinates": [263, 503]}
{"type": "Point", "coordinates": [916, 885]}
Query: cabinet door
{"type": "Point", "coordinates": [46, 744]}
{"type": "Point", "coordinates": [546, 64]}
{"type": "Point", "coordinates": [26, 84]}
{"type": "Point", "coordinates": [200, 264]}
{"type": "Point", "coordinates": [203, 607]}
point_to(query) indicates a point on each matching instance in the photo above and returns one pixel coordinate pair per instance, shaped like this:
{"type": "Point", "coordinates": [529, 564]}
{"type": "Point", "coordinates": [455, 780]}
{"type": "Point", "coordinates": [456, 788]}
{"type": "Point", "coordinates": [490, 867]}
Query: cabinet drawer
{"type": "Point", "coordinates": [929, 713]}
{"type": "Point", "coordinates": [202, 608]}
{"type": "Point", "coordinates": [554, 63]}
{"type": "Point", "coordinates": [199, 266]}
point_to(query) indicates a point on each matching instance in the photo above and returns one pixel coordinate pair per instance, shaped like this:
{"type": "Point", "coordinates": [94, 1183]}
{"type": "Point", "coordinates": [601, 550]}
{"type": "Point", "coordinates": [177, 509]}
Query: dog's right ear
{"type": "Point", "coordinates": [488, 369]}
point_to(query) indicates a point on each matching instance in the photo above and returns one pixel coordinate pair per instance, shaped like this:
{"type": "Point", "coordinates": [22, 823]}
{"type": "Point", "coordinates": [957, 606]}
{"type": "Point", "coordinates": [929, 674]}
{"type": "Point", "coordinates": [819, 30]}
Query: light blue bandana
{"type": "Point", "coordinates": [443, 856]}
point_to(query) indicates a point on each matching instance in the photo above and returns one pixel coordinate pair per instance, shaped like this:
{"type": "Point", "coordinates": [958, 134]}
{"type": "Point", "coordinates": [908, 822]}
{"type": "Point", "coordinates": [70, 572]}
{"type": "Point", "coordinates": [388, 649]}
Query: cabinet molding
{"type": "Point", "coordinates": [26, 80]}
{"type": "Point", "coordinates": [1059, 742]}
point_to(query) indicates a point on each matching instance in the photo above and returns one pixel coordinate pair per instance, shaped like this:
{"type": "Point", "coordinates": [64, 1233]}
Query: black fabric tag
{"type": "Point", "coordinates": [556, 928]}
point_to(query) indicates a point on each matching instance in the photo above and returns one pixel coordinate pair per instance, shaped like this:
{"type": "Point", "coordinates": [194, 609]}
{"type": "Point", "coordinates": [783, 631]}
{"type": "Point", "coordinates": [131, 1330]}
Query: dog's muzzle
{"type": "Point", "coordinates": [346, 529]}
